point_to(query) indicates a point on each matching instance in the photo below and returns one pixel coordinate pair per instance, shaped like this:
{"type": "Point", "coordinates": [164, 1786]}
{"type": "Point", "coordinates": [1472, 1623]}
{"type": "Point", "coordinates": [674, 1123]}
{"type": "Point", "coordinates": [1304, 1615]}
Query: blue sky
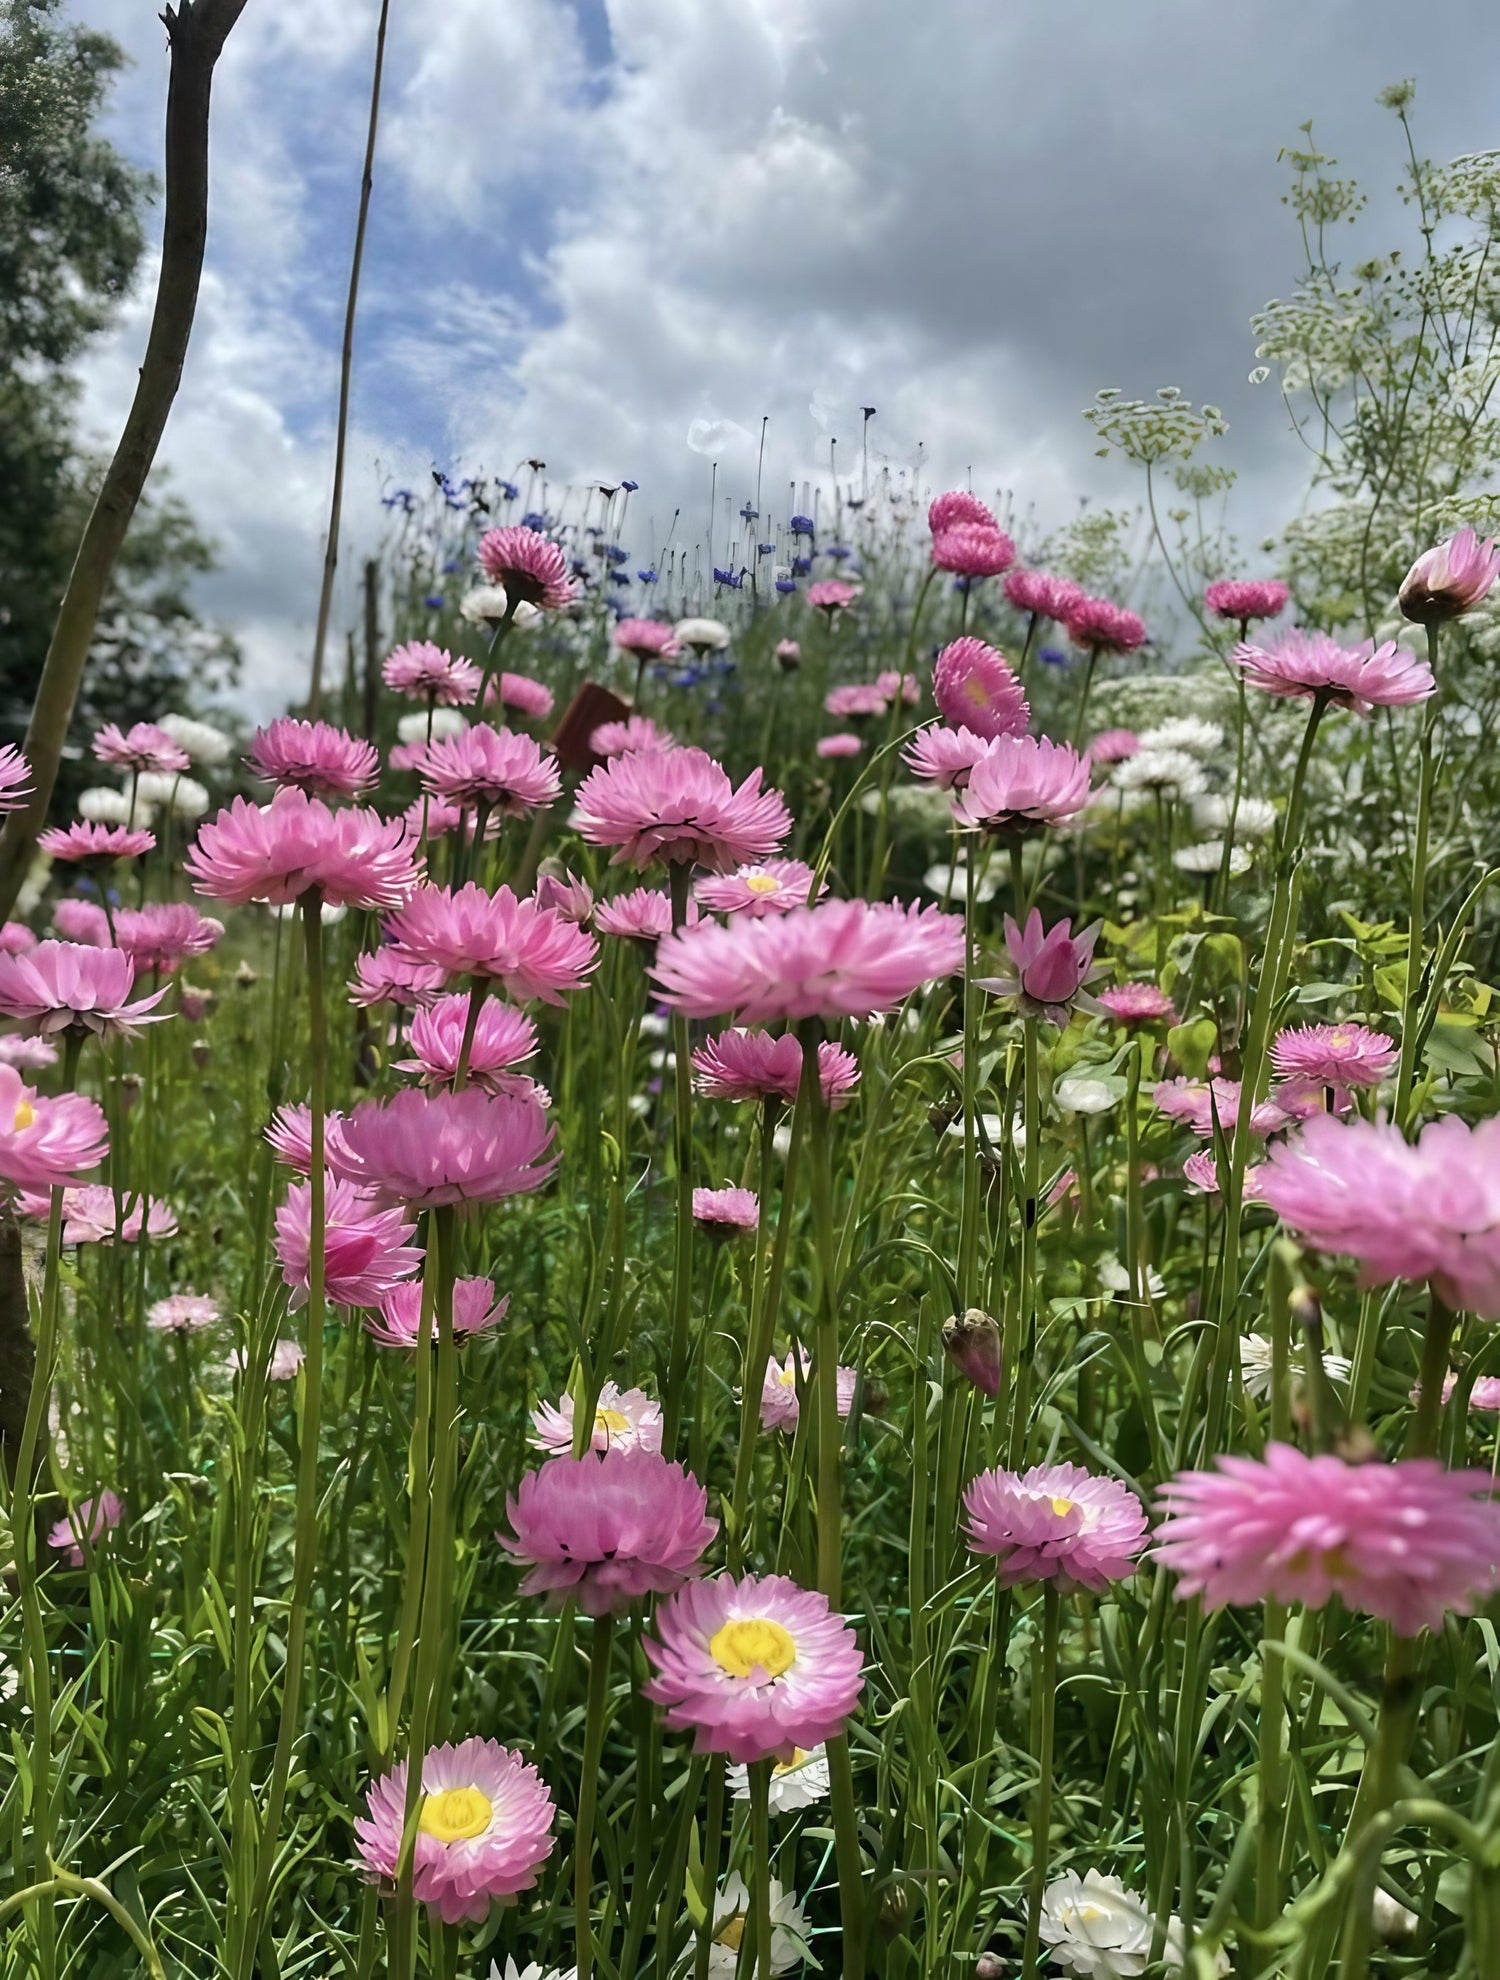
{"type": "Point", "coordinates": [616, 233]}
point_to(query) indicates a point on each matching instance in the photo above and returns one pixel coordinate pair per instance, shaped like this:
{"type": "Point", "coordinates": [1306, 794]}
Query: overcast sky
{"type": "Point", "coordinates": [616, 233]}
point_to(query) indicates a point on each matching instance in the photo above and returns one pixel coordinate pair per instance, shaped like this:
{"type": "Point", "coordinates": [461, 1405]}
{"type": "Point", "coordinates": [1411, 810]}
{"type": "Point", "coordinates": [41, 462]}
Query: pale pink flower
{"type": "Point", "coordinates": [1136, 1003]}
{"type": "Point", "coordinates": [645, 639]}
{"type": "Point", "coordinates": [183, 1313]}
{"type": "Point", "coordinates": [424, 672]}
{"type": "Point", "coordinates": [1339, 1055]}
{"type": "Point", "coordinates": [386, 976]}
{"type": "Point", "coordinates": [644, 914]}
{"type": "Point", "coordinates": [69, 986]}
{"type": "Point", "coordinates": [91, 1215]}
{"type": "Point", "coordinates": [1042, 594]}
{"type": "Point", "coordinates": [497, 768]}
{"type": "Point", "coordinates": [16, 938]}
{"type": "Point", "coordinates": [285, 1364]}
{"type": "Point", "coordinates": [636, 732]}
{"type": "Point", "coordinates": [78, 921]}
{"type": "Point", "coordinates": [86, 1527]}
{"type": "Point", "coordinates": [752, 1065]}
{"type": "Point", "coordinates": [295, 844]}
{"type": "Point", "coordinates": [788, 654]}
{"type": "Point", "coordinates": [289, 1133]}
{"type": "Point", "coordinates": [1023, 784]}
{"type": "Point", "coordinates": [1114, 746]}
{"type": "Point", "coordinates": [838, 746]}
{"type": "Point", "coordinates": [533, 570]}
{"type": "Point", "coordinates": [520, 692]}
{"type": "Point", "coordinates": [1056, 1522]}
{"type": "Point", "coordinates": [725, 1212]}
{"type": "Point", "coordinates": [975, 688]}
{"type": "Point", "coordinates": [503, 1039]}
{"type": "Point", "coordinates": [971, 550]}
{"type": "Point", "coordinates": [367, 1249]}
{"type": "Point", "coordinates": [893, 684]}
{"type": "Point", "coordinates": [775, 886]}
{"type": "Point", "coordinates": [1300, 1098]}
{"type": "Point", "coordinates": [780, 1405]}
{"type": "Point", "coordinates": [314, 757]}
{"type": "Point", "coordinates": [1246, 598]}
{"type": "Point", "coordinates": [1450, 579]}
{"type": "Point", "coordinates": [142, 747]}
{"type": "Point", "coordinates": [607, 1529]}
{"type": "Point", "coordinates": [856, 701]}
{"type": "Point", "coordinates": [679, 805]}
{"type": "Point", "coordinates": [434, 1148]}
{"type": "Point", "coordinates": [1201, 1172]}
{"type": "Point", "coordinates": [27, 1054]}
{"type": "Point", "coordinates": [15, 778]}
{"type": "Point", "coordinates": [957, 505]}
{"type": "Point", "coordinates": [944, 757]}
{"type": "Point", "coordinates": [160, 936]}
{"type": "Point", "coordinates": [476, 1309]}
{"type": "Point", "coordinates": [436, 817]}
{"type": "Point", "coordinates": [84, 843]}
{"type": "Point", "coordinates": [1200, 1105]}
{"type": "Point", "coordinates": [1409, 1541]}
{"type": "Point", "coordinates": [1051, 966]}
{"type": "Point", "coordinates": [838, 959]}
{"type": "Point", "coordinates": [531, 951]}
{"type": "Point", "coordinates": [624, 1420]}
{"type": "Point", "coordinates": [564, 893]}
{"type": "Point", "coordinates": [1100, 626]}
{"type": "Point", "coordinates": [832, 595]}
{"type": "Point", "coordinates": [1484, 1395]}
{"type": "Point", "coordinates": [1308, 664]}
{"type": "Point", "coordinates": [45, 1143]}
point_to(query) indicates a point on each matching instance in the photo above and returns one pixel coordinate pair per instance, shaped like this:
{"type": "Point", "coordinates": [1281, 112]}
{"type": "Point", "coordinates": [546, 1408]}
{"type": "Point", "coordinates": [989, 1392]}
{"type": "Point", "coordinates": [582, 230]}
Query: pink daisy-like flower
{"type": "Point", "coordinates": [160, 936]}
{"type": "Point", "coordinates": [83, 843]}
{"type": "Point", "coordinates": [974, 687]}
{"type": "Point", "coordinates": [1137, 1003]}
{"type": "Point", "coordinates": [972, 550]}
{"type": "Point", "coordinates": [183, 1313]}
{"type": "Point", "coordinates": [69, 986]}
{"type": "Point", "coordinates": [566, 895]}
{"type": "Point", "coordinates": [1246, 598]}
{"type": "Point", "coordinates": [1023, 784]}
{"type": "Point", "coordinates": [497, 768]}
{"type": "Point", "coordinates": [533, 570]}
{"type": "Point", "coordinates": [434, 1148]}
{"type": "Point", "coordinates": [503, 1039]}
{"type": "Point", "coordinates": [726, 1212]}
{"type": "Point", "coordinates": [78, 921]}
{"type": "Point", "coordinates": [424, 672]}
{"type": "Point", "coordinates": [86, 1526]}
{"type": "Point", "coordinates": [1450, 579]}
{"type": "Point", "coordinates": [15, 779]}
{"type": "Point", "coordinates": [645, 639]}
{"type": "Point", "coordinates": [644, 914]}
{"type": "Point", "coordinates": [636, 732]}
{"type": "Point", "coordinates": [16, 938]}
{"type": "Point", "coordinates": [1201, 1172]}
{"type": "Point", "coordinates": [27, 1054]}
{"type": "Point", "coordinates": [775, 886]}
{"type": "Point", "coordinates": [1056, 1522]}
{"type": "Point", "coordinates": [1042, 595]}
{"type": "Point", "coordinates": [285, 1364]}
{"type": "Point", "coordinates": [437, 817]}
{"type": "Point", "coordinates": [141, 747]}
{"type": "Point", "coordinates": [386, 976]}
{"type": "Point", "coordinates": [367, 1249]}
{"type": "Point", "coordinates": [856, 701]}
{"type": "Point", "coordinates": [475, 1310]}
{"type": "Point", "coordinates": [957, 505]}
{"type": "Point", "coordinates": [835, 960]}
{"type": "Point", "coordinates": [1100, 626]}
{"type": "Point", "coordinates": [608, 1528]}
{"type": "Point", "coordinates": [1483, 1396]}
{"type": "Point", "coordinates": [832, 595]}
{"type": "Point", "coordinates": [314, 757]}
{"type": "Point", "coordinates": [1340, 1055]}
{"type": "Point", "coordinates": [781, 1406]}
{"type": "Point", "coordinates": [92, 1216]}
{"type": "Point", "coordinates": [520, 692]}
{"type": "Point", "coordinates": [1308, 664]}
{"type": "Point", "coordinates": [893, 684]}
{"type": "Point", "coordinates": [283, 850]}
{"type": "Point", "coordinates": [1428, 1209]}
{"type": "Point", "coordinates": [944, 757]}
{"type": "Point", "coordinates": [755, 1666]}
{"type": "Point", "coordinates": [45, 1143]}
{"type": "Point", "coordinates": [531, 950]}
{"type": "Point", "coordinates": [1299, 1099]}
{"type": "Point", "coordinates": [289, 1133]}
{"type": "Point", "coordinates": [679, 805]}
{"type": "Point", "coordinates": [1200, 1104]}
{"type": "Point", "coordinates": [1051, 965]}
{"type": "Point", "coordinates": [624, 1420]}
{"type": "Point", "coordinates": [483, 1831]}
{"type": "Point", "coordinates": [1408, 1541]}
{"type": "Point", "coordinates": [838, 746]}
{"type": "Point", "coordinates": [752, 1065]}
{"type": "Point", "coordinates": [1114, 746]}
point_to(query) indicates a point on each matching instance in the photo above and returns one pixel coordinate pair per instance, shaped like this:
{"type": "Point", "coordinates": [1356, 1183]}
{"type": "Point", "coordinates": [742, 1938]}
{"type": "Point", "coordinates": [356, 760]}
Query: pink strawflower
{"type": "Point", "coordinates": [503, 1039]}
{"type": "Point", "coordinates": [755, 1666]}
{"type": "Point", "coordinates": [1136, 1003]}
{"type": "Point", "coordinates": [857, 701]}
{"type": "Point", "coordinates": [78, 921]}
{"type": "Point", "coordinates": [1056, 1522]}
{"type": "Point", "coordinates": [975, 688]}
{"type": "Point", "coordinates": [607, 1529]}
{"type": "Point", "coordinates": [386, 976]}
{"type": "Point", "coordinates": [314, 757]}
{"type": "Point", "coordinates": [285, 849]}
{"type": "Point", "coordinates": [286, 1361]}
{"type": "Point", "coordinates": [568, 896]}
{"type": "Point", "coordinates": [434, 1148]}
{"type": "Point", "coordinates": [484, 1830]}
{"type": "Point", "coordinates": [1200, 1105]}
{"type": "Point", "coordinates": [1099, 626]}
{"type": "Point", "coordinates": [1408, 1541]}
{"type": "Point", "coordinates": [533, 570]}
{"type": "Point", "coordinates": [1484, 1395]}
{"type": "Point", "coordinates": [1051, 966]}
{"type": "Point", "coordinates": [1423, 1210]}
{"type": "Point", "coordinates": [832, 595]}
{"type": "Point", "coordinates": [160, 936]}
{"type": "Point", "coordinates": [1450, 579]}
{"type": "Point", "coordinates": [1298, 1099]}
{"type": "Point", "coordinates": [645, 639]}
{"type": "Point", "coordinates": [624, 1420]}
{"type": "Point", "coordinates": [725, 1212]}
{"type": "Point", "coordinates": [752, 1065]}
{"type": "Point", "coordinates": [16, 938]}
{"type": "Point", "coordinates": [86, 1527]}
{"type": "Point", "coordinates": [893, 685]}
{"type": "Point", "coordinates": [85, 843]}
{"type": "Point", "coordinates": [289, 1133]}
{"type": "Point", "coordinates": [644, 914]}
{"type": "Point", "coordinates": [679, 805]}
{"type": "Point", "coordinates": [531, 951]}
{"type": "Point", "coordinates": [475, 1310]}
{"type": "Point", "coordinates": [15, 779]}
{"type": "Point", "coordinates": [1043, 595]}
{"type": "Point", "coordinates": [957, 505]}
{"type": "Point", "coordinates": [437, 818]}
{"type": "Point", "coordinates": [367, 1250]}
{"type": "Point", "coordinates": [1023, 784]}
{"type": "Point", "coordinates": [142, 747]}
{"type": "Point", "coordinates": [424, 672]}
{"type": "Point", "coordinates": [1246, 598]}
{"type": "Point", "coordinates": [780, 1405]}
{"type": "Point", "coordinates": [69, 986]}
{"type": "Point", "coordinates": [520, 692]}
{"type": "Point", "coordinates": [971, 550]}
{"type": "Point", "coordinates": [45, 1143]}
{"type": "Point", "coordinates": [944, 757]}
{"type": "Point", "coordinates": [1339, 1055]}
{"type": "Point", "coordinates": [183, 1313]}
{"type": "Point", "coordinates": [636, 732]}
{"type": "Point", "coordinates": [27, 1054]}
{"type": "Point", "coordinates": [838, 746]}
{"type": "Point", "coordinates": [838, 959]}
{"type": "Point", "coordinates": [1304, 664]}
{"type": "Point", "coordinates": [1114, 746]}
{"type": "Point", "coordinates": [92, 1216]}
{"type": "Point", "coordinates": [775, 886]}
{"type": "Point", "coordinates": [788, 654]}
{"type": "Point", "coordinates": [497, 768]}
{"type": "Point", "coordinates": [1201, 1172]}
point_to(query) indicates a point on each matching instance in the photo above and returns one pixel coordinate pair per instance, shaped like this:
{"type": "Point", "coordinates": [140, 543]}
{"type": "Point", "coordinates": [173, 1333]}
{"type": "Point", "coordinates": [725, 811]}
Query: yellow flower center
{"type": "Point", "coordinates": [454, 1815]}
{"type": "Point", "coordinates": [976, 692]}
{"type": "Point", "coordinates": [787, 1377]}
{"type": "Point", "coordinates": [611, 1422]}
{"type": "Point", "coordinates": [753, 1643]}
{"type": "Point", "coordinates": [730, 1933]}
{"type": "Point", "coordinates": [1062, 1507]}
{"type": "Point", "coordinates": [798, 1759]}
{"type": "Point", "coordinates": [25, 1116]}
{"type": "Point", "coordinates": [762, 883]}
{"type": "Point", "coordinates": [1339, 1039]}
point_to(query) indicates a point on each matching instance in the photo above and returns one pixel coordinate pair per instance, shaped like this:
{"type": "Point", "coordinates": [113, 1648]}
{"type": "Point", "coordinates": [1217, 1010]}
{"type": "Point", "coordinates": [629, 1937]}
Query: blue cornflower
{"type": "Point", "coordinates": [450, 565]}
{"type": "Point", "coordinates": [734, 579]}
{"type": "Point", "coordinates": [630, 486]}
{"type": "Point", "coordinates": [1053, 656]}
{"type": "Point", "coordinates": [402, 499]}
{"type": "Point", "coordinates": [647, 577]}
{"type": "Point", "coordinates": [618, 577]}
{"type": "Point", "coordinates": [433, 601]}
{"type": "Point", "coordinates": [615, 554]}
{"type": "Point", "coordinates": [837, 551]}
{"type": "Point", "coordinates": [801, 525]}
{"type": "Point", "coordinates": [801, 566]}
{"type": "Point", "coordinates": [533, 519]}
{"type": "Point", "coordinates": [507, 490]}
{"type": "Point", "coordinates": [749, 514]}
{"type": "Point", "coordinates": [784, 585]}
{"type": "Point", "coordinates": [765, 549]}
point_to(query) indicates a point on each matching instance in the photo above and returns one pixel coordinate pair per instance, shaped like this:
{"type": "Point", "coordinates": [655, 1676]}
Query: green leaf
{"type": "Point", "coordinates": [1191, 1045]}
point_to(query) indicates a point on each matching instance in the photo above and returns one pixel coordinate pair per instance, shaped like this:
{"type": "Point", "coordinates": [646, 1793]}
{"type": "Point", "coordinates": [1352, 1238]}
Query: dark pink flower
{"type": "Point", "coordinates": [476, 1310]}
{"type": "Point", "coordinates": [367, 1248]}
{"type": "Point", "coordinates": [1339, 1055]}
{"type": "Point", "coordinates": [572, 898]}
{"type": "Point", "coordinates": [646, 639]}
{"type": "Point", "coordinates": [1136, 1003]}
{"type": "Point", "coordinates": [1305, 664]}
{"type": "Point", "coordinates": [752, 1065]}
{"type": "Point", "coordinates": [943, 757]}
{"type": "Point", "coordinates": [1246, 598]}
{"type": "Point", "coordinates": [521, 692]}
{"type": "Point", "coordinates": [975, 689]}
{"type": "Point", "coordinates": [314, 757]}
{"type": "Point", "coordinates": [957, 505]}
{"type": "Point", "coordinates": [531, 950]}
{"type": "Point", "coordinates": [644, 914]}
{"type": "Point", "coordinates": [1043, 595]}
{"type": "Point", "coordinates": [893, 684]}
{"type": "Point", "coordinates": [15, 778]}
{"type": "Point", "coordinates": [679, 805]}
{"type": "Point", "coordinates": [971, 550]}
{"type": "Point", "coordinates": [1056, 1522]}
{"type": "Point", "coordinates": [83, 843]}
{"type": "Point", "coordinates": [70, 986]}
{"type": "Point", "coordinates": [496, 768]}
{"type": "Point", "coordinates": [434, 1148]}
{"type": "Point", "coordinates": [503, 1039]}
{"type": "Point", "coordinates": [143, 747]}
{"type": "Point", "coordinates": [1201, 1106]}
{"type": "Point", "coordinates": [1023, 784]}
{"type": "Point", "coordinates": [723, 1212]}
{"type": "Point", "coordinates": [79, 921]}
{"type": "Point", "coordinates": [1051, 965]}
{"type": "Point", "coordinates": [1099, 626]}
{"type": "Point", "coordinates": [283, 850]}
{"type": "Point", "coordinates": [424, 672]}
{"type": "Point", "coordinates": [289, 1133]}
{"type": "Point", "coordinates": [1450, 579]}
{"type": "Point", "coordinates": [388, 977]}
{"type": "Point", "coordinates": [533, 570]}
{"type": "Point", "coordinates": [161, 935]}
{"type": "Point", "coordinates": [45, 1143]}
{"type": "Point", "coordinates": [16, 938]}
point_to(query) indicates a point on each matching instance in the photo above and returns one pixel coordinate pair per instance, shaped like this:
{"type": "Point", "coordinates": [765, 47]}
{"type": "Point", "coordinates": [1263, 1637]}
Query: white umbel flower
{"type": "Point", "coordinates": [1208, 856]}
{"type": "Point", "coordinates": [203, 742]}
{"type": "Point", "coordinates": [800, 1782]}
{"type": "Point", "coordinates": [1255, 1365]}
{"type": "Point", "coordinates": [702, 635]}
{"type": "Point", "coordinates": [1254, 817]}
{"type": "Point", "coordinates": [1171, 772]}
{"type": "Point", "coordinates": [445, 722]}
{"type": "Point", "coordinates": [1189, 732]}
{"type": "Point", "coordinates": [790, 1942]}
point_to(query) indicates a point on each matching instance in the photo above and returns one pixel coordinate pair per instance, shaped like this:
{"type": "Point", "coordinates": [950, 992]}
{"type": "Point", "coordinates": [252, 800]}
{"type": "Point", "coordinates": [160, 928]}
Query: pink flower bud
{"type": "Point", "coordinates": [971, 1342]}
{"type": "Point", "coordinates": [1449, 579]}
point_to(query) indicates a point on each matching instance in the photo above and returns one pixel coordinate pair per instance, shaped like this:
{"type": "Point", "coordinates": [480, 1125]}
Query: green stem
{"type": "Point", "coordinates": [1416, 935]}
{"type": "Point", "coordinates": [588, 1786]}
{"type": "Point", "coordinates": [1041, 1804]}
{"type": "Point", "coordinates": [682, 1137]}
{"type": "Point", "coordinates": [760, 1857]}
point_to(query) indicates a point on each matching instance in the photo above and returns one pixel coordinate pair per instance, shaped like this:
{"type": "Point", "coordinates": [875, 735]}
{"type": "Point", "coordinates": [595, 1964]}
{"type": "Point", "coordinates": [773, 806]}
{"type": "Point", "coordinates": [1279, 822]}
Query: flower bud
{"type": "Point", "coordinates": [988, 1966]}
{"type": "Point", "coordinates": [1450, 579]}
{"type": "Point", "coordinates": [971, 1342]}
{"type": "Point", "coordinates": [200, 1052]}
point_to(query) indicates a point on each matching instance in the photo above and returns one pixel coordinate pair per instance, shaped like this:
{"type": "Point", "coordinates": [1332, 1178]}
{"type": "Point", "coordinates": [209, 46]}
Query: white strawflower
{"type": "Point", "coordinates": [1096, 1929]}
{"type": "Point", "coordinates": [445, 722]}
{"type": "Point", "coordinates": [203, 742]}
{"type": "Point", "coordinates": [947, 882]}
{"type": "Point", "coordinates": [485, 605]}
{"type": "Point", "coordinates": [184, 796]}
{"type": "Point", "coordinates": [1208, 856]}
{"type": "Point", "coordinates": [1255, 1364]}
{"type": "Point", "coordinates": [101, 805]}
{"type": "Point", "coordinates": [1172, 772]}
{"type": "Point", "coordinates": [1390, 1916]}
{"type": "Point", "coordinates": [703, 635]}
{"type": "Point", "coordinates": [1113, 1278]}
{"type": "Point", "coordinates": [530, 1972]}
{"type": "Point", "coordinates": [1189, 732]}
{"type": "Point", "coordinates": [330, 914]}
{"type": "Point", "coordinates": [993, 1129]}
{"type": "Point", "coordinates": [790, 1943]}
{"type": "Point", "coordinates": [800, 1782]}
{"type": "Point", "coordinates": [1254, 817]}
{"type": "Point", "coordinates": [1084, 1096]}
